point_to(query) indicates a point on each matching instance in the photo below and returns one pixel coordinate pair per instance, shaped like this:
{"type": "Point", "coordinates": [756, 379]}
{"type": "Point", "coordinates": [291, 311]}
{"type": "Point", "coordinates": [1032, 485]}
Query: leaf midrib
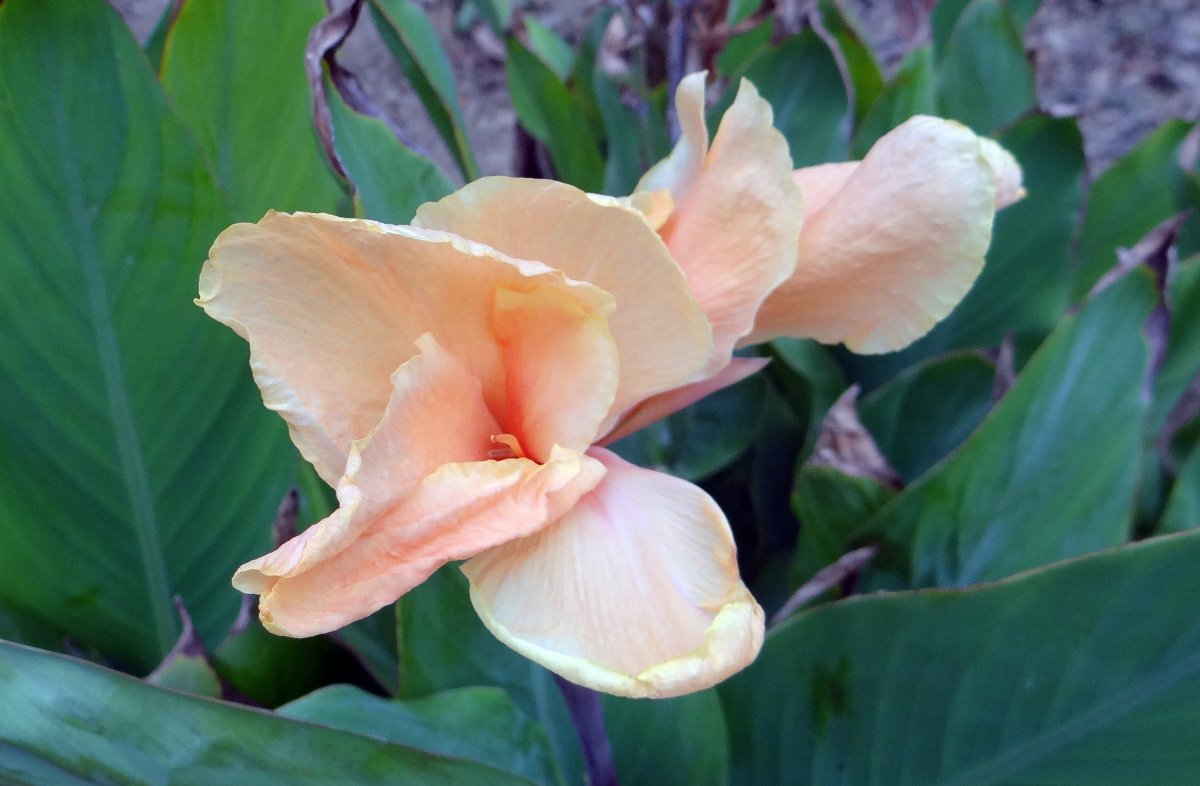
{"type": "Point", "coordinates": [120, 409]}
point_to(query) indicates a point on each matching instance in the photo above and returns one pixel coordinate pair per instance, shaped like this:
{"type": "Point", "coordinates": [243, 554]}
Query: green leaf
{"type": "Point", "coordinates": [64, 721]}
{"type": "Point", "coordinates": [390, 181]}
{"type": "Point", "coordinates": [497, 14]}
{"type": "Point", "coordinates": [1182, 361]}
{"type": "Point", "coordinates": [471, 724]}
{"type": "Point", "coordinates": [865, 74]}
{"type": "Point", "coordinates": [625, 163]}
{"type": "Point", "coordinates": [1183, 505]}
{"type": "Point", "coordinates": [943, 20]}
{"type": "Point", "coordinates": [554, 116]}
{"type": "Point", "coordinates": [414, 44]}
{"type": "Point", "coordinates": [984, 78]}
{"type": "Point", "coordinates": [1081, 674]}
{"type": "Point", "coordinates": [740, 50]}
{"type": "Point", "coordinates": [270, 669]}
{"type": "Point", "coordinates": [701, 439]}
{"type": "Point", "coordinates": [669, 741]}
{"type": "Point", "coordinates": [1136, 194]}
{"type": "Point", "coordinates": [111, 377]}
{"type": "Point", "coordinates": [801, 80]}
{"type": "Point", "coordinates": [158, 36]}
{"type": "Point", "coordinates": [1051, 472]}
{"type": "Point", "coordinates": [445, 645]}
{"type": "Point", "coordinates": [831, 506]}
{"type": "Point", "coordinates": [550, 48]}
{"type": "Point", "coordinates": [911, 92]}
{"type": "Point", "coordinates": [928, 410]}
{"type": "Point", "coordinates": [812, 379]}
{"type": "Point", "coordinates": [235, 73]}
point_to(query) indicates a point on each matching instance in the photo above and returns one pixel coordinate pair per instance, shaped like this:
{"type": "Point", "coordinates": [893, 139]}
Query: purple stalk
{"type": "Point", "coordinates": [588, 716]}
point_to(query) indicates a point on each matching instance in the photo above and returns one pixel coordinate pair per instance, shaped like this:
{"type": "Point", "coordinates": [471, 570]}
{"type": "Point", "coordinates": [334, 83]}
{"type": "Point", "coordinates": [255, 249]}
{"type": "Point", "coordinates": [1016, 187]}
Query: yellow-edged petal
{"type": "Point", "coordinates": [737, 214]}
{"type": "Point", "coordinates": [634, 591]}
{"type": "Point", "coordinates": [659, 329]}
{"type": "Point", "coordinates": [895, 248]}
{"type": "Point", "coordinates": [332, 306]}
{"type": "Point", "coordinates": [1009, 188]}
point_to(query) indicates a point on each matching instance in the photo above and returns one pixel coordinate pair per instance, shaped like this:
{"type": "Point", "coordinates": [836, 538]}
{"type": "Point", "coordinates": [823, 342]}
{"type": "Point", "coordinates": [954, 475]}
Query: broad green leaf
{"type": "Point", "coordinates": [1023, 287]}
{"type": "Point", "coordinates": [554, 116]}
{"type": "Point", "coordinates": [471, 724]}
{"type": "Point", "coordinates": [414, 43]}
{"type": "Point", "coordinates": [269, 669]}
{"type": "Point", "coordinates": [139, 461]}
{"type": "Point", "coordinates": [928, 410]}
{"type": "Point", "coordinates": [701, 439]}
{"type": "Point", "coordinates": [669, 741]}
{"type": "Point", "coordinates": [389, 180]}
{"type": "Point", "coordinates": [188, 674]}
{"type": "Point", "coordinates": [1023, 11]}
{"type": "Point", "coordinates": [1136, 194]}
{"type": "Point", "coordinates": [373, 640]}
{"type": "Point", "coordinates": [158, 36]}
{"type": "Point", "coordinates": [625, 163]}
{"type": "Point", "coordinates": [984, 78]}
{"type": "Point", "coordinates": [1183, 505]}
{"type": "Point", "coordinates": [911, 92]}
{"type": "Point", "coordinates": [550, 48]}
{"type": "Point", "coordinates": [802, 82]}
{"type": "Point", "coordinates": [1051, 472]}
{"type": "Point", "coordinates": [740, 50]}
{"type": "Point", "coordinates": [943, 20]}
{"type": "Point", "coordinates": [235, 73]}
{"type": "Point", "coordinates": [64, 721]}
{"type": "Point", "coordinates": [831, 506]}
{"type": "Point", "coordinates": [811, 378]}
{"type": "Point", "coordinates": [1080, 674]}
{"type": "Point", "coordinates": [444, 645]}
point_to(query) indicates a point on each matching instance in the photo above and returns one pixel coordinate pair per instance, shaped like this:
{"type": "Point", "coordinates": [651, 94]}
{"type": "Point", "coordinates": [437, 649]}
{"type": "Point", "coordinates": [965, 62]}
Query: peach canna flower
{"type": "Point", "coordinates": [454, 379]}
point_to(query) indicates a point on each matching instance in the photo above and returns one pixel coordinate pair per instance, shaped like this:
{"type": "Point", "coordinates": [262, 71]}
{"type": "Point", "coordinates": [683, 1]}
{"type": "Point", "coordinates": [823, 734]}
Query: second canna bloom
{"type": "Point", "coordinates": [455, 379]}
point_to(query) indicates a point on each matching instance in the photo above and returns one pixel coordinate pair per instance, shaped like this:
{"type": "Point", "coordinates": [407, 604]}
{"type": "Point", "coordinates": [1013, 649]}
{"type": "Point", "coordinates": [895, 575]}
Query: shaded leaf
{"type": "Point", "coordinates": [1051, 472]}
{"type": "Point", "coordinates": [111, 377]}
{"type": "Point", "coordinates": [471, 724]}
{"type": "Point", "coordinates": [669, 741]}
{"type": "Point", "coordinates": [64, 721]}
{"type": "Point", "coordinates": [418, 51]}
{"type": "Point", "coordinates": [550, 48]}
{"type": "Point", "coordinates": [984, 78]}
{"type": "Point", "coordinates": [235, 73]}
{"type": "Point", "coordinates": [1056, 676]}
{"type": "Point", "coordinates": [911, 92]}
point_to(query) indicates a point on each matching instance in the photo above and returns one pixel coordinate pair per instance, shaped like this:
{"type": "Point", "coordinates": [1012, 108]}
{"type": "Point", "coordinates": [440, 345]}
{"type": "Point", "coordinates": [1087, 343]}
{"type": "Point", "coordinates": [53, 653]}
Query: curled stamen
{"type": "Point", "coordinates": [509, 447]}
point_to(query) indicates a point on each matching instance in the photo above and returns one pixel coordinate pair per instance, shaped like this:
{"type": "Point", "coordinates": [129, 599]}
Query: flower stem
{"type": "Point", "coordinates": [587, 714]}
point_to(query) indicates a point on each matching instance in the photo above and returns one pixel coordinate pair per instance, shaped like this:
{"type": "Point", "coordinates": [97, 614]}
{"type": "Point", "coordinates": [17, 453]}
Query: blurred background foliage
{"type": "Point", "coordinates": [980, 552]}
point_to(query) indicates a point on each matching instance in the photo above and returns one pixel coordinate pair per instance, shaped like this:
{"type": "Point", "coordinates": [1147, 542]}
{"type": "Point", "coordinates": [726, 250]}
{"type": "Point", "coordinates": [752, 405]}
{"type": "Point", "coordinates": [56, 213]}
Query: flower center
{"type": "Point", "coordinates": [506, 446]}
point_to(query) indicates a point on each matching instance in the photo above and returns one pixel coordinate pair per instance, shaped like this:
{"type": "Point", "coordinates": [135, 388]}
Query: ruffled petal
{"type": "Point", "coordinates": [737, 214]}
{"type": "Point", "coordinates": [634, 591]}
{"type": "Point", "coordinates": [436, 415]}
{"type": "Point", "coordinates": [664, 404]}
{"type": "Point", "coordinates": [450, 515]}
{"type": "Point", "coordinates": [895, 248]}
{"type": "Point", "coordinates": [332, 306]}
{"type": "Point", "coordinates": [660, 331]}
{"type": "Point", "coordinates": [561, 369]}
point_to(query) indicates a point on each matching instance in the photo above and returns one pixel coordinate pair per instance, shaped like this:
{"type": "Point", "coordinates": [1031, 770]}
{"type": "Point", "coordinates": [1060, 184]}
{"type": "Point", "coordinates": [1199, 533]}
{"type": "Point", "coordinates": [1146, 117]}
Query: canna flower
{"type": "Point", "coordinates": [455, 380]}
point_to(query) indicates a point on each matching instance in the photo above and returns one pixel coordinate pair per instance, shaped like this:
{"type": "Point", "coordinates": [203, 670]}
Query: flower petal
{"type": "Point", "coordinates": [896, 248]}
{"type": "Point", "coordinates": [332, 306]}
{"type": "Point", "coordinates": [737, 212]}
{"type": "Point", "coordinates": [660, 331]}
{"type": "Point", "coordinates": [436, 415]}
{"type": "Point", "coordinates": [664, 404]}
{"type": "Point", "coordinates": [451, 515]}
{"type": "Point", "coordinates": [819, 183]}
{"type": "Point", "coordinates": [561, 369]}
{"type": "Point", "coordinates": [634, 591]}
{"type": "Point", "coordinates": [1007, 171]}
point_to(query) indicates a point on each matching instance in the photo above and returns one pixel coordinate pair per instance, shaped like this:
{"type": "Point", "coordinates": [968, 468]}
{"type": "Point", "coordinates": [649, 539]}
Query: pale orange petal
{"type": "Point", "coordinates": [436, 415]}
{"type": "Point", "coordinates": [737, 212]}
{"type": "Point", "coordinates": [896, 248]}
{"type": "Point", "coordinates": [661, 333]}
{"type": "Point", "coordinates": [451, 515]}
{"type": "Point", "coordinates": [332, 306]}
{"type": "Point", "coordinates": [561, 369]}
{"type": "Point", "coordinates": [819, 183]}
{"type": "Point", "coordinates": [1007, 171]}
{"type": "Point", "coordinates": [658, 407]}
{"type": "Point", "coordinates": [634, 591]}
